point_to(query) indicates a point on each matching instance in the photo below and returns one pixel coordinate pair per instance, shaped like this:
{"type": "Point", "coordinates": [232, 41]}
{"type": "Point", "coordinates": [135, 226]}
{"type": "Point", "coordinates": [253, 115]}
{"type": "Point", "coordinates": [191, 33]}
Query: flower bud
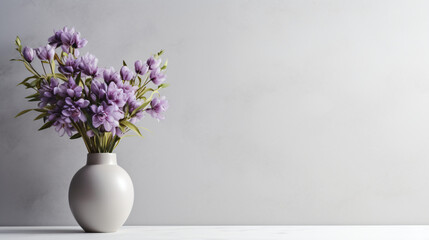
{"type": "Point", "coordinates": [28, 54]}
{"type": "Point", "coordinates": [126, 73]}
{"type": "Point", "coordinates": [153, 63]}
{"type": "Point", "coordinates": [140, 67]}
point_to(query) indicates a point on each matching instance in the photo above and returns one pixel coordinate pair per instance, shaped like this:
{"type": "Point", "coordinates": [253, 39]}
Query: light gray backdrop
{"type": "Point", "coordinates": [282, 112]}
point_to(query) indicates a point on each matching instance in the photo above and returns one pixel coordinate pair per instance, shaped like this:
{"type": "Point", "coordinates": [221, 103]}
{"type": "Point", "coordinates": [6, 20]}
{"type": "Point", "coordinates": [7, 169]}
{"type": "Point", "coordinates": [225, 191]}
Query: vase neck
{"type": "Point", "coordinates": [101, 159]}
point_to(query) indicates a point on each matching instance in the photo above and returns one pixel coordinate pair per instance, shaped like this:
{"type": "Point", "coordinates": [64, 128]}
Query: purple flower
{"type": "Point", "coordinates": [90, 133]}
{"type": "Point", "coordinates": [157, 77]}
{"type": "Point", "coordinates": [72, 109]}
{"type": "Point", "coordinates": [28, 54]}
{"type": "Point", "coordinates": [153, 63]}
{"type": "Point", "coordinates": [119, 133]}
{"type": "Point", "coordinates": [157, 107]}
{"type": "Point", "coordinates": [46, 53]}
{"type": "Point", "coordinates": [98, 90]}
{"type": "Point", "coordinates": [55, 40]}
{"type": "Point", "coordinates": [126, 73]}
{"type": "Point", "coordinates": [62, 123]}
{"type": "Point", "coordinates": [70, 67]}
{"type": "Point", "coordinates": [140, 67]}
{"type": "Point", "coordinates": [109, 75]}
{"type": "Point", "coordinates": [116, 95]}
{"type": "Point", "coordinates": [70, 89]}
{"type": "Point", "coordinates": [88, 65]}
{"type": "Point", "coordinates": [77, 41]}
{"type": "Point", "coordinates": [134, 105]}
{"type": "Point", "coordinates": [62, 126]}
{"type": "Point", "coordinates": [80, 103]}
{"type": "Point", "coordinates": [47, 91]}
{"type": "Point", "coordinates": [129, 90]}
{"type": "Point", "coordinates": [72, 40]}
{"type": "Point", "coordinates": [139, 114]}
{"type": "Point", "coordinates": [107, 116]}
{"type": "Point", "coordinates": [67, 38]}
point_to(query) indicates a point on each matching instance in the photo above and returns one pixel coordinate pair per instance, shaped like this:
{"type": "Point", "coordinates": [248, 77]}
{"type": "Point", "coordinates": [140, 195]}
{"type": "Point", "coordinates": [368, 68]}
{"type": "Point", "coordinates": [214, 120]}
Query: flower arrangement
{"type": "Point", "coordinates": [99, 105]}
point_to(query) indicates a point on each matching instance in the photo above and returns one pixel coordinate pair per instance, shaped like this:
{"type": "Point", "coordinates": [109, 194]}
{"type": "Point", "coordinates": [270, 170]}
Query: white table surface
{"type": "Point", "coordinates": [223, 232]}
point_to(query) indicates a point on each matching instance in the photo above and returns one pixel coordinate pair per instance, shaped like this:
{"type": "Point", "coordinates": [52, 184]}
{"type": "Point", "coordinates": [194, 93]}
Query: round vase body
{"type": "Point", "coordinates": [101, 194]}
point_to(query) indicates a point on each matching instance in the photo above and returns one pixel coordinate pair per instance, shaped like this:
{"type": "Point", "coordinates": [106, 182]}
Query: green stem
{"type": "Point", "coordinates": [51, 64]}
{"type": "Point", "coordinates": [43, 66]}
{"type": "Point", "coordinates": [113, 143]}
{"type": "Point", "coordinates": [32, 68]}
{"type": "Point", "coordinates": [146, 81]}
{"type": "Point", "coordinates": [83, 135]}
{"type": "Point", "coordinates": [29, 64]}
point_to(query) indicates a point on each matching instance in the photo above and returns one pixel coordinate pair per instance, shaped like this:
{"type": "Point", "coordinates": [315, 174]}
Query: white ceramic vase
{"type": "Point", "coordinates": [101, 194]}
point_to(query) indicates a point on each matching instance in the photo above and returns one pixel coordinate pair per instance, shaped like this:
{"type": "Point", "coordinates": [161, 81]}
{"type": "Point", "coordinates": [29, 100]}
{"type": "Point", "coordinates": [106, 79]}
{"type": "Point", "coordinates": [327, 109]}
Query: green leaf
{"type": "Point", "coordinates": [25, 80]}
{"type": "Point", "coordinates": [52, 65]}
{"type": "Point", "coordinates": [165, 65]}
{"type": "Point", "coordinates": [57, 75]}
{"type": "Point", "coordinates": [160, 53]}
{"type": "Point", "coordinates": [17, 60]}
{"type": "Point", "coordinates": [132, 127]}
{"type": "Point", "coordinates": [122, 128]}
{"type": "Point", "coordinates": [124, 63]}
{"type": "Point", "coordinates": [46, 125]}
{"type": "Point", "coordinates": [61, 76]}
{"type": "Point", "coordinates": [78, 79]}
{"type": "Point", "coordinates": [58, 59]}
{"type": "Point", "coordinates": [18, 41]}
{"type": "Point", "coordinates": [40, 116]}
{"type": "Point", "coordinates": [88, 82]}
{"type": "Point", "coordinates": [23, 112]}
{"type": "Point", "coordinates": [41, 110]}
{"type": "Point", "coordinates": [144, 92]}
{"type": "Point", "coordinates": [141, 107]}
{"type": "Point", "coordinates": [139, 95]}
{"type": "Point", "coordinates": [33, 95]}
{"type": "Point", "coordinates": [147, 101]}
{"type": "Point", "coordinates": [164, 85]}
{"type": "Point", "coordinates": [76, 136]}
{"type": "Point", "coordinates": [127, 110]}
{"type": "Point", "coordinates": [34, 83]}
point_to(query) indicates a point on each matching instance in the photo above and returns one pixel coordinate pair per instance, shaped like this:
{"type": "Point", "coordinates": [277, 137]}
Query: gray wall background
{"type": "Point", "coordinates": [282, 112]}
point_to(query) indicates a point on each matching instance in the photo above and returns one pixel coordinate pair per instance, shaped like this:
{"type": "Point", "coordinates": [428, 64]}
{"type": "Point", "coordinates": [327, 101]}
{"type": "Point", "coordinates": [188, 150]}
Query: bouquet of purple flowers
{"type": "Point", "coordinates": [84, 100]}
